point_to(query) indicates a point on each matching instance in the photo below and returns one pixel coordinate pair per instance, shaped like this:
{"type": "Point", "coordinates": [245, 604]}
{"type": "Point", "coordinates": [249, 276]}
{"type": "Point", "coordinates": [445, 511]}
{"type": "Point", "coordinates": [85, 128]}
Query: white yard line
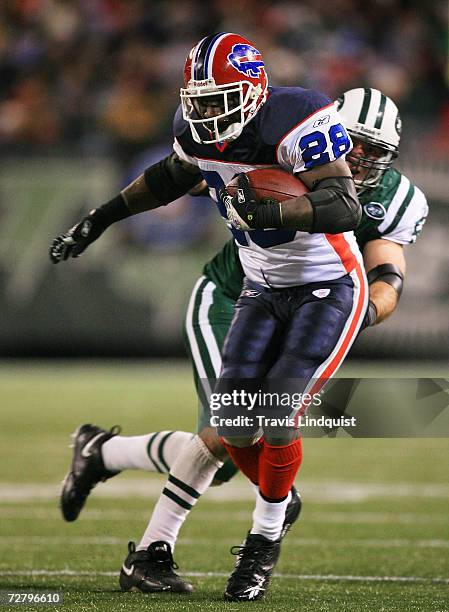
{"type": "Point", "coordinates": [319, 491]}
{"type": "Point", "coordinates": [24, 513]}
{"type": "Point", "coordinates": [40, 540]}
{"type": "Point", "coordinates": [324, 577]}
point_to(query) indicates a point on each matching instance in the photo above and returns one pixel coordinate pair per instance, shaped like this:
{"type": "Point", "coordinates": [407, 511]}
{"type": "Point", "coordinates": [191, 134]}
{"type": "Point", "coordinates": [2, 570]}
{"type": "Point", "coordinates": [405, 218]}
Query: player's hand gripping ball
{"type": "Point", "coordinates": [253, 199]}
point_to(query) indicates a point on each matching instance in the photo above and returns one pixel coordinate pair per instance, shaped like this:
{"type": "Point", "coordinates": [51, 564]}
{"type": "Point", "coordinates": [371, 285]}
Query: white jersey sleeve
{"type": "Point", "coordinates": [406, 216]}
{"type": "Point", "coordinates": [319, 139]}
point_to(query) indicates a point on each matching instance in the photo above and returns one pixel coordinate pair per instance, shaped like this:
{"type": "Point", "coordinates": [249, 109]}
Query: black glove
{"type": "Point", "coordinates": [370, 316]}
{"type": "Point", "coordinates": [78, 238]}
{"type": "Point", "coordinates": [245, 212]}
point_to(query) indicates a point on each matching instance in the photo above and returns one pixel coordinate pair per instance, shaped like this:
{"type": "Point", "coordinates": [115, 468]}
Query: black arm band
{"type": "Point", "coordinates": [387, 273]}
{"type": "Point", "coordinates": [114, 210]}
{"type": "Point", "coordinates": [171, 178]}
{"type": "Point", "coordinates": [370, 316]}
{"type": "Point", "coordinates": [335, 205]}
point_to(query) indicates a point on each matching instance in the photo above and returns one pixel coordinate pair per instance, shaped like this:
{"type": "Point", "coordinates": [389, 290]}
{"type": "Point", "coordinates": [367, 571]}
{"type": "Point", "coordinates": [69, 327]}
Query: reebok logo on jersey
{"type": "Point", "coordinates": [375, 210]}
{"type": "Point", "coordinates": [321, 293]}
{"type": "Point", "coordinates": [322, 121]}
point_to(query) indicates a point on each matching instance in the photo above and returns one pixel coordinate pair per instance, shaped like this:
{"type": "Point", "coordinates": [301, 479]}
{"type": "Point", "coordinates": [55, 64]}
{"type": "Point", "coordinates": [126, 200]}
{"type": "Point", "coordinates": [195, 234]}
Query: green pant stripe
{"type": "Point", "coordinates": [208, 319]}
{"type": "Point", "coordinates": [196, 343]}
{"type": "Point", "coordinates": [220, 331]}
{"type": "Point", "coordinates": [209, 352]}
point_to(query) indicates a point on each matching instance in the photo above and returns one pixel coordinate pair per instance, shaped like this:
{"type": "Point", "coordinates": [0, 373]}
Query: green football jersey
{"type": "Point", "coordinates": [395, 210]}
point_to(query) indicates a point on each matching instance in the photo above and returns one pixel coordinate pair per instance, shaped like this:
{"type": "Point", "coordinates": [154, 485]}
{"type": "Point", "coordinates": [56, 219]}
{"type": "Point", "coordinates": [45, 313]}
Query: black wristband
{"type": "Point", "coordinates": [267, 215]}
{"type": "Point", "coordinates": [114, 210]}
{"type": "Point", "coordinates": [370, 316]}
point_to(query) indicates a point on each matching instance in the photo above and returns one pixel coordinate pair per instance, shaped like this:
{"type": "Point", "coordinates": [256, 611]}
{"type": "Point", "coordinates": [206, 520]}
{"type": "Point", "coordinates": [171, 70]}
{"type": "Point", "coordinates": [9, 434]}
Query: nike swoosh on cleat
{"type": "Point", "coordinates": [128, 570]}
{"type": "Point", "coordinates": [85, 452]}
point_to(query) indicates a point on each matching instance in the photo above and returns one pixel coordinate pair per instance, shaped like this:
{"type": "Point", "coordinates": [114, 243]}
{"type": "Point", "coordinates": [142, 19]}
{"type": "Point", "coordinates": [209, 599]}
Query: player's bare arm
{"type": "Point", "coordinates": [160, 184]}
{"type": "Point", "coordinates": [385, 264]}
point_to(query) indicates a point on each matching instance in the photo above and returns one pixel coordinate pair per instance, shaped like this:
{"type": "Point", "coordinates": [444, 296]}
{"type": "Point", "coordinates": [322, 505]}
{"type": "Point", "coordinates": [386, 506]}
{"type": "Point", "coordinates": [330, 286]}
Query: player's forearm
{"type": "Point", "coordinates": [137, 197]}
{"type": "Point", "coordinates": [331, 207]}
{"type": "Point", "coordinates": [297, 213]}
{"type": "Point", "coordinates": [385, 299]}
{"type": "Point", "coordinates": [385, 281]}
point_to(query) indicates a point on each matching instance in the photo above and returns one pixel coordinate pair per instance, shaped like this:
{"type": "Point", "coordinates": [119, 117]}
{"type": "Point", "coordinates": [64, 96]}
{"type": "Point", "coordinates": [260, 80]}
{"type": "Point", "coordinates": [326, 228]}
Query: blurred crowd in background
{"type": "Point", "coordinates": [102, 76]}
{"type": "Point", "coordinates": [88, 89]}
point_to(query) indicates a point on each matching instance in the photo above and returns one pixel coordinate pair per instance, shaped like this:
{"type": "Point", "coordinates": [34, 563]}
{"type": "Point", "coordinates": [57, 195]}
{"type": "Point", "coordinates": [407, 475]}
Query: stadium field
{"type": "Point", "coordinates": [373, 535]}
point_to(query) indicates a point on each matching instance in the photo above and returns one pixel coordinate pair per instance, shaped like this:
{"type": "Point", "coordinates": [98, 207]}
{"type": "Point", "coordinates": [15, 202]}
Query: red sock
{"type": "Point", "coordinates": [278, 466]}
{"type": "Point", "coordinates": [246, 459]}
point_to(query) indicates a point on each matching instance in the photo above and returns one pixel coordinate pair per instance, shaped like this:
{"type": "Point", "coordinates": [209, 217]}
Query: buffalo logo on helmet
{"type": "Point", "coordinates": [247, 60]}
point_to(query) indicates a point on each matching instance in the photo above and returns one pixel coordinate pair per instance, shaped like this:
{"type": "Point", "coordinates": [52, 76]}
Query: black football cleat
{"type": "Point", "coordinates": [151, 571]}
{"type": "Point", "coordinates": [257, 557]}
{"type": "Point", "coordinates": [87, 468]}
{"type": "Point", "coordinates": [292, 512]}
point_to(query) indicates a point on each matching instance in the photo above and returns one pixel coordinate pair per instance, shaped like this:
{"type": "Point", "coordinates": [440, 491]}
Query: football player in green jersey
{"type": "Point", "coordinates": [394, 211]}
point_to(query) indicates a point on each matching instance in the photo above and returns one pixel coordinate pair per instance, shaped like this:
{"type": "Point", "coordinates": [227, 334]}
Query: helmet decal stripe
{"type": "Point", "coordinates": [200, 58]}
{"type": "Point", "coordinates": [365, 106]}
{"type": "Point", "coordinates": [381, 111]}
{"type": "Point", "coordinates": [208, 60]}
{"type": "Point", "coordinates": [194, 58]}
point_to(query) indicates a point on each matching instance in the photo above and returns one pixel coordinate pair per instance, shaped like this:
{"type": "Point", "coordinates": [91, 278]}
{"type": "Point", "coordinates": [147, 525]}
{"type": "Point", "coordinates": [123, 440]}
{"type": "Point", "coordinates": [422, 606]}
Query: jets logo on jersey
{"type": "Point", "coordinates": [247, 60]}
{"type": "Point", "coordinates": [375, 210]}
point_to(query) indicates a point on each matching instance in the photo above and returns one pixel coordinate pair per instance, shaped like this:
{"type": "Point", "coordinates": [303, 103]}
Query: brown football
{"type": "Point", "coordinates": [271, 183]}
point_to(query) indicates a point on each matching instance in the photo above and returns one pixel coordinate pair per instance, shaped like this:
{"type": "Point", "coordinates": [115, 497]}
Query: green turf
{"type": "Point", "coordinates": [372, 508]}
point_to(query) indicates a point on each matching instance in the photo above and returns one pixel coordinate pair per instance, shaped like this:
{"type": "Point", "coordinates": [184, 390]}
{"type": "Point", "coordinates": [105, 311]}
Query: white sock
{"type": "Point", "coordinates": [154, 452]}
{"type": "Point", "coordinates": [190, 476]}
{"type": "Point", "coordinates": [268, 517]}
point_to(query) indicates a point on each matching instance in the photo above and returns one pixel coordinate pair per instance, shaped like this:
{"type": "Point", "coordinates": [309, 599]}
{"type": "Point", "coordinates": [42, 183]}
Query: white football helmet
{"type": "Point", "coordinates": [373, 120]}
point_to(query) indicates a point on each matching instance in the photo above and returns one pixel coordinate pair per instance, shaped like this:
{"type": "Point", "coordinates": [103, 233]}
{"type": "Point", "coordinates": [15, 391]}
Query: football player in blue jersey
{"type": "Point", "coordinates": [234, 128]}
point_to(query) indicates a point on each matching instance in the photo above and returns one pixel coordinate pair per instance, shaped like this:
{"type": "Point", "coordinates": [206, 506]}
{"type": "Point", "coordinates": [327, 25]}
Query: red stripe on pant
{"type": "Point", "coordinates": [336, 358]}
